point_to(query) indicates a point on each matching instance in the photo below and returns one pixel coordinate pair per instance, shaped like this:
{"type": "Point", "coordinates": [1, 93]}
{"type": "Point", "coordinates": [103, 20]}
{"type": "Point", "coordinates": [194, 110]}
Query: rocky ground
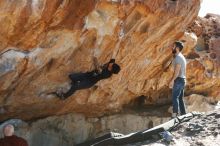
{"type": "Point", "coordinates": [70, 129]}
{"type": "Point", "coordinates": [67, 130]}
{"type": "Point", "coordinates": [203, 130]}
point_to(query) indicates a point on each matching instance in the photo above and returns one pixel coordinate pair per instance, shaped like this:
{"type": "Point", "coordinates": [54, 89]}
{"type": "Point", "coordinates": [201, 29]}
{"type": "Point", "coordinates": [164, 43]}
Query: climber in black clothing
{"type": "Point", "coordinates": [88, 79]}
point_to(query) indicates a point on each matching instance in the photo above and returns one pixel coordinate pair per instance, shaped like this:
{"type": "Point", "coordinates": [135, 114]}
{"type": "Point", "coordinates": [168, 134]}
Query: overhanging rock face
{"type": "Point", "coordinates": [42, 41]}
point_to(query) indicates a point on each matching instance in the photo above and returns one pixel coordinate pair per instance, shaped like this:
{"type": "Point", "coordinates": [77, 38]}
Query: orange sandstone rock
{"type": "Point", "coordinates": [42, 41]}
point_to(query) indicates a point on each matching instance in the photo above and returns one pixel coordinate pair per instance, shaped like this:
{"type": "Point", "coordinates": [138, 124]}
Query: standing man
{"type": "Point", "coordinates": [10, 139]}
{"type": "Point", "coordinates": [178, 80]}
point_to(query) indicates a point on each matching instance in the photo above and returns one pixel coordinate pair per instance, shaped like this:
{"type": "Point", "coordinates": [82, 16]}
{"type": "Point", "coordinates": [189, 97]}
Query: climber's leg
{"type": "Point", "coordinates": [76, 86]}
{"type": "Point", "coordinates": [77, 76]}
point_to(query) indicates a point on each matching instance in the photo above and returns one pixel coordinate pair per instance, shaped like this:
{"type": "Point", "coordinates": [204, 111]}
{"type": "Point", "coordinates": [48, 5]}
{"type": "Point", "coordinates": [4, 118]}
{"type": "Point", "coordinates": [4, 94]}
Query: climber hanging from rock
{"type": "Point", "coordinates": [89, 79]}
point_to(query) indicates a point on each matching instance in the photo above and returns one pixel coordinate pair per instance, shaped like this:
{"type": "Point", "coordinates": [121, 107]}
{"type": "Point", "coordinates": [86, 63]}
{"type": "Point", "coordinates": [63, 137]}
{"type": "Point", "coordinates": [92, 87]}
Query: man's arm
{"type": "Point", "coordinates": [175, 75]}
{"type": "Point", "coordinates": [97, 66]}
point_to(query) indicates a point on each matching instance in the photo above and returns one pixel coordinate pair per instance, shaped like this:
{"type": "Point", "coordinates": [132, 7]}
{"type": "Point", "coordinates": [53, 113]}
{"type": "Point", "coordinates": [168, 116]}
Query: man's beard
{"type": "Point", "coordinates": [174, 52]}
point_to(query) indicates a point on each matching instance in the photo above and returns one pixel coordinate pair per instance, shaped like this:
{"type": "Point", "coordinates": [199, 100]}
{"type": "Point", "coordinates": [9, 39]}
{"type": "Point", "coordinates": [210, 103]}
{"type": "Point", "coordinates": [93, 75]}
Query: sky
{"type": "Point", "coordinates": [209, 6]}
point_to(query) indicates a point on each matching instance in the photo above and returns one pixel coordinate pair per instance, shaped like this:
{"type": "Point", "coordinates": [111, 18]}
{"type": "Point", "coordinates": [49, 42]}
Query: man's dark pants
{"type": "Point", "coordinates": [79, 81]}
{"type": "Point", "coordinates": [177, 96]}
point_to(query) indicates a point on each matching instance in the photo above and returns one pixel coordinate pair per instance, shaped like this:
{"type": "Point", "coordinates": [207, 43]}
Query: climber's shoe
{"type": "Point", "coordinates": [57, 94]}
{"type": "Point", "coordinates": [60, 95]}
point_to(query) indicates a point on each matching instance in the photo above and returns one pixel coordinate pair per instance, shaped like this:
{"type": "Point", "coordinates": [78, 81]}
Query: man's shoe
{"type": "Point", "coordinates": [182, 114]}
{"type": "Point", "coordinates": [174, 115]}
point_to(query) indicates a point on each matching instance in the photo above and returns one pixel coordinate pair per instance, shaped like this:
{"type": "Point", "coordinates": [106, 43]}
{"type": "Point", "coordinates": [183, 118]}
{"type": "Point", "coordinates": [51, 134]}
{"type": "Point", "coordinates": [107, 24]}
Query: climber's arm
{"type": "Point", "coordinates": [106, 65]}
{"type": "Point", "coordinates": [98, 68]}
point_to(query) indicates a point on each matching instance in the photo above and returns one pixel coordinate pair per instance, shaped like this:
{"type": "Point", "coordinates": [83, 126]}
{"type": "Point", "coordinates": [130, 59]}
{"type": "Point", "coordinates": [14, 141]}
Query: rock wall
{"type": "Point", "coordinates": [206, 55]}
{"type": "Point", "coordinates": [71, 129]}
{"type": "Point", "coordinates": [42, 41]}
